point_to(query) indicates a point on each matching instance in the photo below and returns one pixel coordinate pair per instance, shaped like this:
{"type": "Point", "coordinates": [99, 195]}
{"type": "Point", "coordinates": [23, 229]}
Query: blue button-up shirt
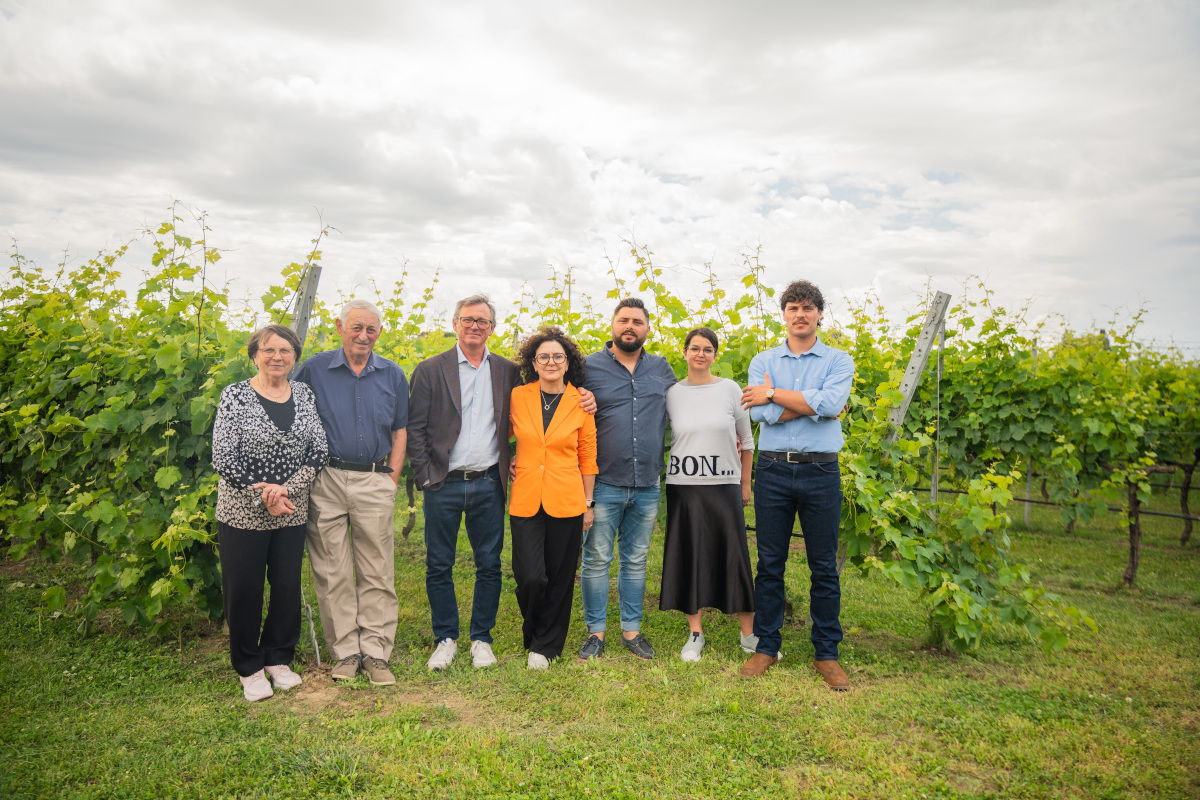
{"type": "Point", "coordinates": [476, 447]}
{"type": "Point", "coordinates": [631, 416]}
{"type": "Point", "coordinates": [824, 375]}
{"type": "Point", "coordinates": [359, 412]}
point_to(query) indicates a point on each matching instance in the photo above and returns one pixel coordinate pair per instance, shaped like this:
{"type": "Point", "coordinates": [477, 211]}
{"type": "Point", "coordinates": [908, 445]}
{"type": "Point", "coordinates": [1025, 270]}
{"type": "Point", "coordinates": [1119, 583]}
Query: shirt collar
{"type": "Point", "coordinates": [463, 356]}
{"type": "Point", "coordinates": [339, 360]}
{"type": "Point", "coordinates": [819, 348]}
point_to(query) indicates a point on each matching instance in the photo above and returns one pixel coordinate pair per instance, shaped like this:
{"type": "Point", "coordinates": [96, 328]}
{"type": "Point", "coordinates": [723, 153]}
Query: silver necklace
{"type": "Point", "coordinates": [546, 404]}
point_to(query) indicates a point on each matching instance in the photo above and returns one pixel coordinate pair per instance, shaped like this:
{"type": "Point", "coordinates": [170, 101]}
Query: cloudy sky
{"type": "Point", "coordinates": [1051, 147]}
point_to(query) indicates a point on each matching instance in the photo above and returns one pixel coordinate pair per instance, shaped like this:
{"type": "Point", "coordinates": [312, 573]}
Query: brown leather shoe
{"type": "Point", "coordinates": [834, 675]}
{"type": "Point", "coordinates": [758, 664]}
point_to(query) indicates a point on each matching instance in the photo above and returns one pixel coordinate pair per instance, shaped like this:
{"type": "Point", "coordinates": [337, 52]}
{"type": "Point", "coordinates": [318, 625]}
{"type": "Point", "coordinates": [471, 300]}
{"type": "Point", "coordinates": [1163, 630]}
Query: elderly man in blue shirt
{"type": "Point", "coordinates": [796, 393]}
{"type": "Point", "coordinates": [362, 399]}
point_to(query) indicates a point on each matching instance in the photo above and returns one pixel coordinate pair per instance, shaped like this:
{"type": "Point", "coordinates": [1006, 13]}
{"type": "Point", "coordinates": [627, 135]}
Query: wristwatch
{"type": "Point", "coordinates": [770, 394]}
{"type": "Point", "coordinates": [590, 503]}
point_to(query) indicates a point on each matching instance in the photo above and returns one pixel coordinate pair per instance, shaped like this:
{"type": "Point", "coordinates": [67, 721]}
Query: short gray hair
{"type": "Point", "coordinates": [475, 300]}
{"type": "Point", "coordinates": [365, 305]}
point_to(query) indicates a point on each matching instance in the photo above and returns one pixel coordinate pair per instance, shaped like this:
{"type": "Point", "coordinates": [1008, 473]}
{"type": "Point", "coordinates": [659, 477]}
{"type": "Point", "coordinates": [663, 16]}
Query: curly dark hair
{"type": "Point", "coordinates": [798, 292]}
{"type": "Point", "coordinates": [551, 333]}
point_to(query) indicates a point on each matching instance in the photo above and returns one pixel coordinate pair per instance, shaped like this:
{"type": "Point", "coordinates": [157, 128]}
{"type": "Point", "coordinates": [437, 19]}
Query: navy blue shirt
{"type": "Point", "coordinates": [631, 416]}
{"type": "Point", "coordinates": [359, 412]}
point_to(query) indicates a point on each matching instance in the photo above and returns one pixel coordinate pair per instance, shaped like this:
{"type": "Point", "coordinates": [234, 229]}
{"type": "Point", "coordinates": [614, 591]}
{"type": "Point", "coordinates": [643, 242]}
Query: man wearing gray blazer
{"type": "Point", "coordinates": [458, 447]}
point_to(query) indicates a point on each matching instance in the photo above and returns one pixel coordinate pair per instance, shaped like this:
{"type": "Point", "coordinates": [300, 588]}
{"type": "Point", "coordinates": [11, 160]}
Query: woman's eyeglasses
{"type": "Point", "coordinates": [546, 358]}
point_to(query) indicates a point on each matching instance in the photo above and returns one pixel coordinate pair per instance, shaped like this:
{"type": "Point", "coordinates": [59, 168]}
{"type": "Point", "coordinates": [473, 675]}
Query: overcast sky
{"type": "Point", "coordinates": [1051, 147]}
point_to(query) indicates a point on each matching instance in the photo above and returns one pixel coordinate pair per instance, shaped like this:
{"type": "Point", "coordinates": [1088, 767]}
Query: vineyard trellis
{"type": "Point", "coordinates": [107, 401]}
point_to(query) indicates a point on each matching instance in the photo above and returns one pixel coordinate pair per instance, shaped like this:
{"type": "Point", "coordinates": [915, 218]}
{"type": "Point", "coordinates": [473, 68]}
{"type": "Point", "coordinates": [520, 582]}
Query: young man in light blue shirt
{"type": "Point", "coordinates": [796, 392]}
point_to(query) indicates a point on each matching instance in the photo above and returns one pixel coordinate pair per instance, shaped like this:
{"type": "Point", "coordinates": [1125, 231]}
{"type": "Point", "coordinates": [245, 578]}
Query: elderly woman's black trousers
{"type": "Point", "coordinates": [246, 558]}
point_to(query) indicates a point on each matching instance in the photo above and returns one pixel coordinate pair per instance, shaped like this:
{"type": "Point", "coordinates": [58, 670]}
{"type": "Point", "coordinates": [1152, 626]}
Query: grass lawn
{"type": "Point", "coordinates": [120, 715]}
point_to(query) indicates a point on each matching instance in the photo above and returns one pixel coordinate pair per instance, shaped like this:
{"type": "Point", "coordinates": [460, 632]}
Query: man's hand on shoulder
{"type": "Point", "coordinates": [587, 401]}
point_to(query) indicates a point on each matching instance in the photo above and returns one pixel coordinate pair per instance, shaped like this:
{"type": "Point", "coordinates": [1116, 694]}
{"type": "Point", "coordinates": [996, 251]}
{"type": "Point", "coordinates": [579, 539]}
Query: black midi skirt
{"type": "Point", "coordinates": [706, 563]}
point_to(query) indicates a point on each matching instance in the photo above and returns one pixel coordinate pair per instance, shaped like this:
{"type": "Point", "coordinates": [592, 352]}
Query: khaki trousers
{"type": "Point", "coordinates": [350, 534]}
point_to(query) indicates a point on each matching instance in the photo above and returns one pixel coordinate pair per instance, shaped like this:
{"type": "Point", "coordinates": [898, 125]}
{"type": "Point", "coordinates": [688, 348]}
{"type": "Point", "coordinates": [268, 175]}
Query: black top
{"type": "Point", "coordinates": [282, 414]}
{"type": "Point", "coordinates": [548, 413]}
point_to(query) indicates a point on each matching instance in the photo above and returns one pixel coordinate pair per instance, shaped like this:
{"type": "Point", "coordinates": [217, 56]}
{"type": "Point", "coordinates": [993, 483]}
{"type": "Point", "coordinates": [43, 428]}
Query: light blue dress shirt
{"type": "Point", "coordinates": [476, 447]}
{"type": "Point", "coordinates": [824, 375]}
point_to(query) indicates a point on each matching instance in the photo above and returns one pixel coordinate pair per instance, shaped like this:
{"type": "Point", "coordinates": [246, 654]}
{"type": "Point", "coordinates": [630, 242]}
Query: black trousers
{"type": "Point", "coordinates": [545, 553]}
{"type": "Point", "coordinates": [245, 557]}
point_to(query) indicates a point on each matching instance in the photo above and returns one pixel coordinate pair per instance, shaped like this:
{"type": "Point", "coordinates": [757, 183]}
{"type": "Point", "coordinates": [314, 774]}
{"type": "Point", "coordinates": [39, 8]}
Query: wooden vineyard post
{"type": "Point", "coordinates": [1184, 488]}
{"type": "Point", "coordinates": [916, 363]}
{"type": "Point", "coordinates": [1135, 534]}
{"type": "Point", "coordinates": [306, 296]}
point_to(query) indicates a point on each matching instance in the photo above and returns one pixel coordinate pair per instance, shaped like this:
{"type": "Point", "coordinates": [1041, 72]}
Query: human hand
{"type": "Point", "coordinates": [589, 517]}
{"type": "Point", "coordinates": [271, 492]}
{"type": "Point", "coordinates": [512, 470]}
{"type": "Point", "coordinates": [587, 401]}
{"type": "Point", "coordinates": [746, 495]}
{"type": "Point", "coordinates": [757, 395]}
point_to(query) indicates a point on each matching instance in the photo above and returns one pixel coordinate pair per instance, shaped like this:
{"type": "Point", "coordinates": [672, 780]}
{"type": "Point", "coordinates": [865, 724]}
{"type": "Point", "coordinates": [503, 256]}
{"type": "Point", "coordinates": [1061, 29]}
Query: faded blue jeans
{"type": "Point", "coordinates": [781, 493]}
{"type": "Point", "coordinates": [624, 516]}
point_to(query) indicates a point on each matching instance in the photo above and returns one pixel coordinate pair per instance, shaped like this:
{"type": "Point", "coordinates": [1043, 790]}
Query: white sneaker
{"type": "Point", "coordinates": [693, 647]}
{"type": "Point", "coordinates": [750, 645]}
{"type": "Point", "coordinates": [443, 654]}
{"type": "Point", "coordinates": [482, 655]}
{"type": "Point", "coordinates": [283, 677]}
{"type": "Point", "coordinates": [538, 661]}
{"type": "Point", "coordinates": [255, 687]}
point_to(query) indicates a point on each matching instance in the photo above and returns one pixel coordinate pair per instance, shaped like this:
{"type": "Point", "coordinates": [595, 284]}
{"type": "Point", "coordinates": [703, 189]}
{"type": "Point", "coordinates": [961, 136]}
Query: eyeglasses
{"type": "Point", "coordinates": [546, 358]}
{"type": "Point", "coordinates": [695, 349]}
{"type": "Point", "coordinates": [271, 352]}
{"type": "Point", "coordinates": [474, 322]}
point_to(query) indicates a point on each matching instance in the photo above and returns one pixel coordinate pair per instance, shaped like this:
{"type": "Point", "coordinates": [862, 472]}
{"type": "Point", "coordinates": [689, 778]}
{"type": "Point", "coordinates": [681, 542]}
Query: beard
{"type": "Point", "coordinates": [627, 346]}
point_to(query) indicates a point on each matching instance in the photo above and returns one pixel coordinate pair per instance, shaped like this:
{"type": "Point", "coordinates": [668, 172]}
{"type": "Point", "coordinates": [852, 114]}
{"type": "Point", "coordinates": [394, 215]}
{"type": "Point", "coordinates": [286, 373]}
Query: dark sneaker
{"type": "Point", "coordinates": [377, 671]}
{"type": "Point", "coordinates": [347, 668]}
{"type": "Point", "coordinates": [638, 646]}
{"type": "Point", "coordinates": [592, 648]}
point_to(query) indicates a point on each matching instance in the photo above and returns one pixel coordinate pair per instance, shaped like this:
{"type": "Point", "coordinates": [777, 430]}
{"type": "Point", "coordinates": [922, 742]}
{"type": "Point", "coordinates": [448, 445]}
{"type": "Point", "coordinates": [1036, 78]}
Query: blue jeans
{"type": "Point", "coordinates": [781, 492]}
{"type": "Point", "coordinates": [482, 501]}
{"type": "Point", "coordinates": [624, 516]}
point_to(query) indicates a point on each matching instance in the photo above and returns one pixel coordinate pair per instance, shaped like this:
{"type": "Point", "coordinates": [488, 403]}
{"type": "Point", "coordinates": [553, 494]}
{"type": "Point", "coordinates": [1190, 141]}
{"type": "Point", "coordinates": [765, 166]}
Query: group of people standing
{"type": "Point", "coordinates": [318, 458]}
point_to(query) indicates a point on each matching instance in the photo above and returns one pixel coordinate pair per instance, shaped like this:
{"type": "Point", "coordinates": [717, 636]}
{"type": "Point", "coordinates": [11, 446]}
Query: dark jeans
{"type": "Point", "coordinates": [545, 550]}
{"type": "Point", "coordinates": [781, 492]}
{"type": "Point", "coordinates": [482, 501]}
{"type": "Point", "coordinates": [245, 557]}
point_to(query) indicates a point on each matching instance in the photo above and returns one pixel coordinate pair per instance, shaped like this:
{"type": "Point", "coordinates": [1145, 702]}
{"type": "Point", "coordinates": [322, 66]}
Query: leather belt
{"type": "Point", "coordinates": [471, 475]}
{"type": "Point", "coordinates": [354, 466]}
{"type": "Point", "coordinates": [800, 458]}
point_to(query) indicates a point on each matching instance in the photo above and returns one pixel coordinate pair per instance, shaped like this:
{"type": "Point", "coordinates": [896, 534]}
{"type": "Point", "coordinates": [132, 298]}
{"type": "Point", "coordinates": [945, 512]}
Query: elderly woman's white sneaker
{"type": "Point", "coordinates": [538, 661]}
{"type": "Point", "coordinates": [255, 687]}
{"type": "Point", "coordinates": [693, 647]}
{"type": "Point", "coordinates": [283, 677]}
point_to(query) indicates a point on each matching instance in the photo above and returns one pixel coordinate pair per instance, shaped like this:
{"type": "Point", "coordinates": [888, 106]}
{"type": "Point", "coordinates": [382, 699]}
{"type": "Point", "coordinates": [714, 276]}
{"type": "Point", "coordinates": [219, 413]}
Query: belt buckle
{"type": "Point", "coordinates": [789, 457]}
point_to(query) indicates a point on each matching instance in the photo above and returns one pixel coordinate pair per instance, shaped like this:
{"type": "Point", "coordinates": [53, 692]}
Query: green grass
{"type": "Point", "coordinates": [119, 715]}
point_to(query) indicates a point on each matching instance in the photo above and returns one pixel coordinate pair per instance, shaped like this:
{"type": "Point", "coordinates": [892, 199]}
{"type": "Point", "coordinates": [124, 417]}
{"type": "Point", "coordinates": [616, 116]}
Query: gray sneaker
{"type": "Point", "coordinates": [693, 647]}
{"type": "Point", "coordinates": [592, 648]}
{"type": "Point", "coordinates": [638, 646]}
{"type": "Point", "coordinates": [377, 670]}
{"type": "Point", "coordinates": [347, 668]}
{"type": "Point", "coordinates": [749, 643]}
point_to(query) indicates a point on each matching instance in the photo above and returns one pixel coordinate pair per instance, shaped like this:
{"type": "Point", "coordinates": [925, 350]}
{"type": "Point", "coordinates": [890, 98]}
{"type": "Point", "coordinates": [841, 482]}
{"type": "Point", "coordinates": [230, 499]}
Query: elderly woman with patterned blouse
{"type": "Point", "coordinates": [268, 445]}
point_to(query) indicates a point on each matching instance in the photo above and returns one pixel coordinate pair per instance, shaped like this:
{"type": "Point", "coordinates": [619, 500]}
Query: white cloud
{"type": "Point", "coordinates": [1049, 146]}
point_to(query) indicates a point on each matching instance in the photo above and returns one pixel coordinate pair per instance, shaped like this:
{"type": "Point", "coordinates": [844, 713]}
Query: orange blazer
{"type": "Point", "coordinates": [550, 465]}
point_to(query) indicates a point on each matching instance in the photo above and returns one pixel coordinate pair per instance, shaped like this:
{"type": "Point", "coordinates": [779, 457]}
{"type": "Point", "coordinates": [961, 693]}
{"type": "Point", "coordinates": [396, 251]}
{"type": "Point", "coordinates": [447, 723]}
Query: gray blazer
{"type": "Point", "coordinates": [435, 415]}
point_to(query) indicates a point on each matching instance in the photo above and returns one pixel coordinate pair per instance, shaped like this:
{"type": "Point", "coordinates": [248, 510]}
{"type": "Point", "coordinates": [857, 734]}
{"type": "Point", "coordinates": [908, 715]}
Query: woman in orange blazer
{"type": "Point", "coordinates": [550, 504]}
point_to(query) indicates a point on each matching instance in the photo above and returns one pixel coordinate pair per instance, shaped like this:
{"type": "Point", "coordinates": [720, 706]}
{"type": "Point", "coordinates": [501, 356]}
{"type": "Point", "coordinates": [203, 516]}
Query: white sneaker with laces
{"type": "Point", "coordinates": [443, 654]}
{"type": "Point", "coordinates": [693, 647]}
{"type": "Point", "coordinates": [255, 687]}
{"type": "Point", "coordinates": [283, 677]}
{"type": "Point", "coordinates": [482, 655]}
{"type": "Point", "coordinates": [538, 661]}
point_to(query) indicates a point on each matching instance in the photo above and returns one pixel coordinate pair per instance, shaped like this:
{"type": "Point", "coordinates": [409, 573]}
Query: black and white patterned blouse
{"type": "Point", "coordinates": [248, 448]}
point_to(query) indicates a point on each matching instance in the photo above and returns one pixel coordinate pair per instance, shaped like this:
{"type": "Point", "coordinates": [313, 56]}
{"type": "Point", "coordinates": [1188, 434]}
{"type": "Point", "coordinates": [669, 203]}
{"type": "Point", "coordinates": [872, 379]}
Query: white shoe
{"type": "Point", "coordinates": [443, 654]}
{"type": "Point", "coordinates": [255, 687]}
{"type": "Point", "coordinates": [482, 655]}
{"type": "Point", "coordinates": [749, 643]}
{"type": "Point", "coordinates": [283, 677]}
{"type": "Point", "coordinates": [693, 647]}
{"type": "Point", "coordinates": [538, 661]}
